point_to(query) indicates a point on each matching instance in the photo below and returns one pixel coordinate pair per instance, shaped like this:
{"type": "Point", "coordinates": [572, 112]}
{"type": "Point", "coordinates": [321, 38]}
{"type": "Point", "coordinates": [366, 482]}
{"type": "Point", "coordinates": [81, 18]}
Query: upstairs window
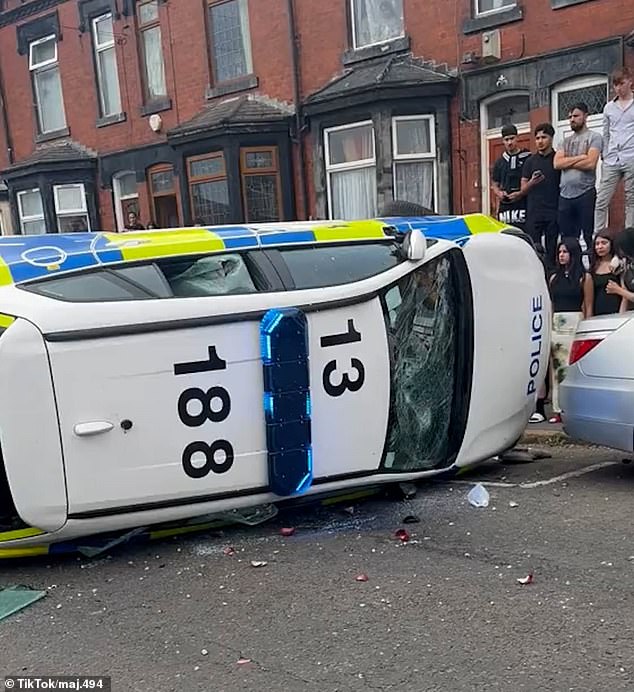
{"type": "Point", "coordinates": [31, 212]}
{"type": "Point", "coordinates": [376, 21]}
{"type": "Point", "coordinates": [490, 6]}
{"type": "Point", "coordinates": [47, 85]}
{"type": "Point", "coordinates": [106, 64]}
{"type": "Point", "coordinates": [70, 208]}
{"type": "Point", "coordinates": [230, 40]}
{"type": "Point", "coordinates": [152, 50]}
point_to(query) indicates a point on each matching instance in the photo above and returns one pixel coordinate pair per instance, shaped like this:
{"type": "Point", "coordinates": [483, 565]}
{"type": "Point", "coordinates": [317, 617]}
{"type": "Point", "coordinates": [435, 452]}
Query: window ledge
{"type": "Point", "coordinates": [56, 134]}
{"type": "Point", "coordinates": [156, 106]}
{"type": "Point", "coordinates": [490, 21]}
{"type": "Point", "coordinates": [395, 45]}
{"type": "Point", "coordinates": [241, 84]}
{"type": "Point", "coordinates": [111, 120]}
{"type": "Point", "coordinates": [558, 4]}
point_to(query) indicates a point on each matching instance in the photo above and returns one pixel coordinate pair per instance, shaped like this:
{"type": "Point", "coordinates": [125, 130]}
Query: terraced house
{"type": "Point", "coordinates": [222, 111]}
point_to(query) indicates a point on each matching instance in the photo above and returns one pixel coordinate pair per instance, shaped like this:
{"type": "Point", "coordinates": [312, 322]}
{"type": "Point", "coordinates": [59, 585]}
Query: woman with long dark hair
{"type": "Point", "coordinates": [625, 289]}
{"type": "Point", "coordinates": [572, 295]}
{"type": "Point", "coordinates": [604, 267]}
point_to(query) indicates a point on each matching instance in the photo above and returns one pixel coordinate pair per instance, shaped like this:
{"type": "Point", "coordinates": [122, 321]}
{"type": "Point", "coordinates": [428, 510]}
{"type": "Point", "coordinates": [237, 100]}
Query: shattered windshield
{"type": "Point", "coordinates": [422, 323]}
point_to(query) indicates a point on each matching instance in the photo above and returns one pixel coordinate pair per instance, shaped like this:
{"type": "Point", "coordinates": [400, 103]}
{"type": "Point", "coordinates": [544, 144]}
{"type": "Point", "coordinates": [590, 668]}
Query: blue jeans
{"type": "Point", "coordinates": [576, 216]}
{"type": "Point", "coordinates": [610, 176]}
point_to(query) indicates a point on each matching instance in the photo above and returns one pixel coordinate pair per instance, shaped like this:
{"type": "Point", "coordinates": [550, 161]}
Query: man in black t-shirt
{"type": "Point", "coordinates": [506, 178]}
{"type": "Point", "coordinates": [540, 185]}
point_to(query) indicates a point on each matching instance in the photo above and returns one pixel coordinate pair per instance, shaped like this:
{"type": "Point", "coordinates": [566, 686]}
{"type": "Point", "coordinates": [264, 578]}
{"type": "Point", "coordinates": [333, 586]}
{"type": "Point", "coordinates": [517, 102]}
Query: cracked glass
{"type": "Point", "coordinates": [421, 314]}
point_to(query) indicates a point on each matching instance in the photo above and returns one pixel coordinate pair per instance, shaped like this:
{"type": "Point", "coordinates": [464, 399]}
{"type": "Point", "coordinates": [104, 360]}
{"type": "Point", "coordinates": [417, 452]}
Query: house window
{"type": "Point", "coordinates": [164, 198]}
{"type": "Point", "coordinates": [376, 21]}
{"type": "Point", "coordinates": [106, 63]}
{"type": "Point", "coordinates": [414, 155]}
{"type": "Point", "coordinates": [126, 197]}
{"type": "Point", "coordinates": [261, 186]}
{"type": "Point", "coordinates": [230, 40]}
{"type": "Point", "coordinates": [490, 6]}
{"type": "Point", "coordinates": [208, 189]}
{"type": "Point", "coordinates": [70, 208]}
{"type": "Point", "coordinates": [351, 171]}
{"type": "Point", "coordinates": [152, 50]}
{"type": "Point", "coordinates": [47, 84]}
{"type": "Point", "coordinates": [31, 212]}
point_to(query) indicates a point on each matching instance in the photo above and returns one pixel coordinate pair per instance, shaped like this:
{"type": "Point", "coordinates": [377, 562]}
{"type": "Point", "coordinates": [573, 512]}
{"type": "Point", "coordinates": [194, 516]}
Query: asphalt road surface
{"type": "Point", "coordinates": [443, 611]}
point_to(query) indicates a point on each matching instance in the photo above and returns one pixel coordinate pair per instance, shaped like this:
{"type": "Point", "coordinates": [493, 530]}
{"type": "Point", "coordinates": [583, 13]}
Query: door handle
{"type": "Point", "coordinates": [95, 427]}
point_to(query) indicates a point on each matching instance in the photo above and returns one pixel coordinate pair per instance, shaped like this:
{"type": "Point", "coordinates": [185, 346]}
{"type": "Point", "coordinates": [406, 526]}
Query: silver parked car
{"type": "Point", "coordinates": [597, 394]}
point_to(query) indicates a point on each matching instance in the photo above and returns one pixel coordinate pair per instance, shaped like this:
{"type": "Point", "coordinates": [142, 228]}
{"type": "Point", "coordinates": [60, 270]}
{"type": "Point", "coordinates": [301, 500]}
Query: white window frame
{"type": "Point", "coordinates": [44, 66]}
{"type": "Point", "coordinates": [333, 168]}
{"type": "Point", "coordinates": [353, 27]}
{"type": "Point", "coordinates": [119, 198]}
{"type": "Point", "coordinates": [403, 158]}
{"type": "Point", "coordinates": [487, 13]}
{"type": "Point", "coordinates": [101, 48]}
{"type": "Point", "coordinates": [45, 39]}
{"type": "Point", "coordinates": [487, 134]}
{"type": "Point", "coordinates": [83, 210]}
{"type": "Point", "coordinates": [595, 121]}
{"type": "Point", "coordinates": [33, 217]}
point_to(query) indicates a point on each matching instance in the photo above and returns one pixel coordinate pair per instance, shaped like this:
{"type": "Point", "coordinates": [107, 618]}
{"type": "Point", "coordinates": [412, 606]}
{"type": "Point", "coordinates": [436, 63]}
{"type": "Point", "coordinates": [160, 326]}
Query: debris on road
{"type": "Point", "coordinates": [478, 496]}
{"type": "Point", "coordinates": [513, 504]}
{"type": "Point", "coordinates": [408, 490]}
{"type": "Point", "coordinates": [258, 563]}
{"type": "Point", "coordinates": [528, 579]}
{"type": "Point", "coordinates": [289, 531]}
{"type": "Point", "coordinates": [411, 519]}
{"type": "Point", "coordinates": [362, 577]}
{"type": "Point", "coordinates": [402, 535]}
{"type": "Point", "coordinates": [15, 598]}
{"type": "Point", "coordinates": [229, 550]}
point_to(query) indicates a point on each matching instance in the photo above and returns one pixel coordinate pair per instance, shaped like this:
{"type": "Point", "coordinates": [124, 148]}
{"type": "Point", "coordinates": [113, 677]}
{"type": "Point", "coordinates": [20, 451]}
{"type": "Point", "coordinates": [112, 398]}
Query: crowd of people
{"type": "Point", "coordinates": [554, 197]}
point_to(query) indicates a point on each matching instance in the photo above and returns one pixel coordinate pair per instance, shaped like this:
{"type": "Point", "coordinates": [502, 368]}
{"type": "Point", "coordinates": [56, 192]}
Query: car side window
{"type": "Point", "coordinates": [170, 277]}
{"type": "Point", "coordinates": [331, 265]}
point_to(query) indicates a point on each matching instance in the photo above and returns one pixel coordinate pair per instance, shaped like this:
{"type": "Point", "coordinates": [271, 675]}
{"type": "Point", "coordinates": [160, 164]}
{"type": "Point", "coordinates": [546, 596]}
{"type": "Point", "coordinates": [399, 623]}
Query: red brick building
{"type": "Point", "coordinates": [223, 111]}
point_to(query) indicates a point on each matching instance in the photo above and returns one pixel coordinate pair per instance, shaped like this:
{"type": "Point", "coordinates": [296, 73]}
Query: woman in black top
{"type": "Point", "coordinates": [625, 290]}
{"type": "Point", "coordinates": [572, 297]}
{"type": "Point", "coordinates": [604, 268]}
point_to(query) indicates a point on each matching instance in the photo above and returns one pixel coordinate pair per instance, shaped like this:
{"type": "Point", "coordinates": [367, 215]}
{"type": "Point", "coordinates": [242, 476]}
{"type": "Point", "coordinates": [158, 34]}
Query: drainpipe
{"type": "Point", "coordinates": [297, 102]}
{"type": "Point", "coordinates": [5, 121]}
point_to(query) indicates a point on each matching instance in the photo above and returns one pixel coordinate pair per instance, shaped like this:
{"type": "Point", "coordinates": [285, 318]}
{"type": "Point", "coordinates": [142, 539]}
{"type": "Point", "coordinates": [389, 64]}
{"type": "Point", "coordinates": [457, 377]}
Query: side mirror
{"type": "Point", "coordinates": [414, 245]}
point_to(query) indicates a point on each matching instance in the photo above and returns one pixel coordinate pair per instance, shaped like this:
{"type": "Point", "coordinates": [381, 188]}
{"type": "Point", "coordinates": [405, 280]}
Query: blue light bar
{"type": "Point", "coordinates": [287, 406]}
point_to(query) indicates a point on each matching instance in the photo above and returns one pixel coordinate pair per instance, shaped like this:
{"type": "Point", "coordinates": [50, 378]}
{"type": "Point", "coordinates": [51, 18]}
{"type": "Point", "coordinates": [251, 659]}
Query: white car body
{"type": "Point", "coordinates": [597, 394]}
{"type": "Point", "coordinates": [102, 399]}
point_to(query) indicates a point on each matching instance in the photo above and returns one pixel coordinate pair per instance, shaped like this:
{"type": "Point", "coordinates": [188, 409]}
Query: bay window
{"type": "Point", "coordinates": [70, 208]}
{"type": "Point", "coordinates": [47, 85]}
{"type": "Point", "coordinates": [208, 189]}
{"type": "Point", "coordinates": [351, 171]}
{"type": "Point", "coordinates": [414, 158]}
{"type": "Point", "coordinates": [31, 212]}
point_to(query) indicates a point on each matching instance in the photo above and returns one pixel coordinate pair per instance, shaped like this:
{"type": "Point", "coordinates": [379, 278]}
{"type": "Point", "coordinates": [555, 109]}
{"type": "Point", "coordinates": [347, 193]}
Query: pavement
{"type": "Point", "coordinates": [441, 611]}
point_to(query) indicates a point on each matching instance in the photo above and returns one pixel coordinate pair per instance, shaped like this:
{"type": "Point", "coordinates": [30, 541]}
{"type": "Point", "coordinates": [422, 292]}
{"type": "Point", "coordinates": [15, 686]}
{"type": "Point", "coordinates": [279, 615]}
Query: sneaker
{"type": "Point", "coordinates": [555, 419]}
{"type": "Point", "coordinates": [537, 418]}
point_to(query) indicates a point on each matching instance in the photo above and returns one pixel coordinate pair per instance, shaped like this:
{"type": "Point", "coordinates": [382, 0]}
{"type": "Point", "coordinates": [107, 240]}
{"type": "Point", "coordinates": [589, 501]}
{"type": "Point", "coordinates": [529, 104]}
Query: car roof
{"type": "Point", "coordinates": [23, 258]}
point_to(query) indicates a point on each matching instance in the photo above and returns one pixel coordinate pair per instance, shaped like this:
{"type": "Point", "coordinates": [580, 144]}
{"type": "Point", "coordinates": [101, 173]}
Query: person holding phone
{"type": "Point", "coordinates": [506, 180]}
{"type": "Point", "coordinates": [540, 186]}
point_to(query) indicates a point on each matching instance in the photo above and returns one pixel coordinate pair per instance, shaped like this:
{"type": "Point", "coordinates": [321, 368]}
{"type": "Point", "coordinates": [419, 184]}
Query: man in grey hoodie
{"type": "Point", "coordinates": [618, 150]}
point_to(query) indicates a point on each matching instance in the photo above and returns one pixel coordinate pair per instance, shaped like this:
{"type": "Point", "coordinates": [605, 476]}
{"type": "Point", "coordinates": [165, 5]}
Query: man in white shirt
{"type": "Point", "coordinates": [618, 150]}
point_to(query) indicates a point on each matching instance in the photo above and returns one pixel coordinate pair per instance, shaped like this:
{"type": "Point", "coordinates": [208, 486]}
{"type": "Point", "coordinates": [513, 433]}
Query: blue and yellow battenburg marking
{"type": "Point", "coordinates": [31, 257]}
{"type": "Point", "coordinates": [458, 229]}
